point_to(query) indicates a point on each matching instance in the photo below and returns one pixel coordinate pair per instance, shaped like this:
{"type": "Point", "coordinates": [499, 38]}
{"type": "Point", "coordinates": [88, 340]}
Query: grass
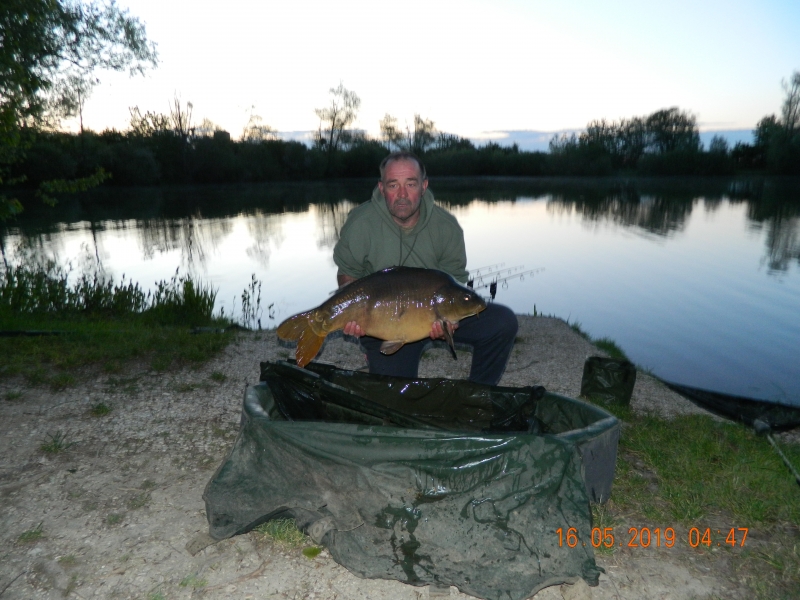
{"type": "Point", "coordinates": [703, 466]}
{"type": "Point", "coordinates": [57, 360]}
{"type": "Point", "coordinates": [283, 532]}
{"type": "Point", "coordinates": [68, 561]}
{"type": "Point", "coordinates": [55, 443]}
{"type": "Point", "coordinates": [602, 518]}
{"type": "Point", "coordinates": [101, 409]}
{"type": "Point", "coordinates": [193, 581]}
{"type": "Point", "coordinates": [695, 471]}
{"type": "Point", "coordinates": [605, 344]}
{"type": "Point", "coordinates": [13, 395]}
{"type": "Point", "coordinates": [139, 501]}
{"type": "Point", "coordinates": [93, 321]}
{"type": "Point", "coordinates": [115, 518]}
{"type": "Point", "coordinates": [31, 535]}
{"type": "Point", "coordinates": [186, 387]}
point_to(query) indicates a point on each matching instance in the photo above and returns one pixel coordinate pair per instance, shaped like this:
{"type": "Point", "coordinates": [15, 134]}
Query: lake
{"type": "Point", "coordinates": [697, 280]}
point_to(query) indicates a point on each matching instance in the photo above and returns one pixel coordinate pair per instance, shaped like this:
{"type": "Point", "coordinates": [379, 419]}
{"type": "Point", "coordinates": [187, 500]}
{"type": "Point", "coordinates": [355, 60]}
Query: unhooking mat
{"type": "Point", "coordinates": [484, 510]}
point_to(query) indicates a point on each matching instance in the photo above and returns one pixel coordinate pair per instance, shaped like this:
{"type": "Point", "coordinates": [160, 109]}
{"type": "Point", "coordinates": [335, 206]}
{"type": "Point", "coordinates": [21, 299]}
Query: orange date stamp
{"type": "Point", "coordinates": [645, 537]}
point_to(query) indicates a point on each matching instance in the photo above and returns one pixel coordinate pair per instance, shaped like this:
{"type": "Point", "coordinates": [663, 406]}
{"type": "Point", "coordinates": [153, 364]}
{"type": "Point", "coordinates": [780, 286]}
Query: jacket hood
{"type": "Point", "coordinates": [426, 205]}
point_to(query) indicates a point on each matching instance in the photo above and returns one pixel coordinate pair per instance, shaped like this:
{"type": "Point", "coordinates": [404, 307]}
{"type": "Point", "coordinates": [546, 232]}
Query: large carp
{"type": "Point", "coordinates": [398, 305]}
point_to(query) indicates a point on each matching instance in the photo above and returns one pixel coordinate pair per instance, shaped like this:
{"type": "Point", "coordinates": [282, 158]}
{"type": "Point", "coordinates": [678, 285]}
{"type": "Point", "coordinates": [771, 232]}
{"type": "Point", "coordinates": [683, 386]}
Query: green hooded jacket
{"type": "Point", "coordinates": [371, 241]}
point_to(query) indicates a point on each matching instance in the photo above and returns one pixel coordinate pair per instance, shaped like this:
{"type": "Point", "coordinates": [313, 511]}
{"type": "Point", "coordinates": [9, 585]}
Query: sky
{"type": "Point", "coordinates": [480, 69]}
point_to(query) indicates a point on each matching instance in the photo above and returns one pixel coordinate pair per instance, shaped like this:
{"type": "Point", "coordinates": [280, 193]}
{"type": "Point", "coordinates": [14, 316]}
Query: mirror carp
{"type": "Point", "coordinates": [397, 305]}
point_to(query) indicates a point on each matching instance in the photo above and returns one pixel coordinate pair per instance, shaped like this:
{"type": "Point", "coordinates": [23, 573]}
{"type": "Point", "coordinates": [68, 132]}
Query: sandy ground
{"type": "Point", "coordinates": [118, 507]}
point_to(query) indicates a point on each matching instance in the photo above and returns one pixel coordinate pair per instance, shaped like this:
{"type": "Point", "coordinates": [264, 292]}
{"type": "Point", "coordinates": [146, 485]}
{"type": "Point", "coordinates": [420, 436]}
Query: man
{"type": "Point", "coordinates": [402, 226]}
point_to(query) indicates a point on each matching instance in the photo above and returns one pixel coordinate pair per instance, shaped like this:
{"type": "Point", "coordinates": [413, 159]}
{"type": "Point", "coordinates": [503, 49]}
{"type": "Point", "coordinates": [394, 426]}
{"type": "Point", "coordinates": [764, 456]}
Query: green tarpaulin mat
{"type": "Point", "coordinates": [427, 481]}
{"type": "Point", "coordinates": [608, 380]}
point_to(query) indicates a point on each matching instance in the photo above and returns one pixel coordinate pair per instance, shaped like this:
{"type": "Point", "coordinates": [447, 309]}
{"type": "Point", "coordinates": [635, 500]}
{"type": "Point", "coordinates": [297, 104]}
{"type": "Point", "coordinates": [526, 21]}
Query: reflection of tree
{"type": "Point", "coordinates": [192, 236]}
{"type": "Point", "coordinates": [783, 243]}
{"type": "Point", "coordinates": [169, 218]}
{"type": "Point", "coordinates": [658, 214]}
{"type": "Point", "coordinates": [330, 219]}
{"type": "Point", "coordinates": [774, 205]}
{"type": "Point", "coordinates": [265, 229]}
{"type": "Point", "coordinates": [17, 247]}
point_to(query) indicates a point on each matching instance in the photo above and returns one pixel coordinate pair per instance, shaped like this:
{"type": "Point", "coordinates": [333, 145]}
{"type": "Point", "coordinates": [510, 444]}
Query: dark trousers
{"type": "Point", "coordinates": [490, 333]}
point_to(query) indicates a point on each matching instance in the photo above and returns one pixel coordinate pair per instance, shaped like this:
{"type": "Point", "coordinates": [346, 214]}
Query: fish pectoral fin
{"type": "Point", "coordinates": [391, 346]}
{"type": "Point", "coordinates": [448, 336]}
{"type": "Point", "coordinates": [308, 347]}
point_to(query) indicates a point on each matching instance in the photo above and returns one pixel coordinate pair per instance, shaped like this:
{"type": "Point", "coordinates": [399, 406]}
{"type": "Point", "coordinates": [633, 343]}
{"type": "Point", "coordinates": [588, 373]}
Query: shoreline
{"type": "Point", "coordinates": [117, 507]}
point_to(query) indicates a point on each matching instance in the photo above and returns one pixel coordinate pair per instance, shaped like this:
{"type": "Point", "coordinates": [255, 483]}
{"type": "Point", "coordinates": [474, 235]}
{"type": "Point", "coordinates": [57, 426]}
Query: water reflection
{"type": "Point", "coordinates": [783, 243]}
{"type": "Point", "coordinates": [265, 231]}
{"type": "Point", "coordinates": [193, 220]}
{"type": "Point", "coordinates": [774, 205]}
{"type": "Point", "coordinates": [330, 219]}
{"type": "Point", "coordinates": [657, 207]}
{"type": "Point", "coordinates": [654, 214]}
{"type": "Point", "coordinates": [193, 237]}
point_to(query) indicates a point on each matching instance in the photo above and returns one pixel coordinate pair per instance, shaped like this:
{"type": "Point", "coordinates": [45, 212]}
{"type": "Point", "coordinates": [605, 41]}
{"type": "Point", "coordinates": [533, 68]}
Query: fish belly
{"type": "Point", "coordinates": [398, 324]}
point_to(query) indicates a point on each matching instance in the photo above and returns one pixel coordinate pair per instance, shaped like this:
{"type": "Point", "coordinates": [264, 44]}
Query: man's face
{"type": "Point", "coordinates": [402, 186]}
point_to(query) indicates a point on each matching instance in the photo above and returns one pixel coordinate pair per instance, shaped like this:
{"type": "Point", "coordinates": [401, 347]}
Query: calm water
{"type": "Point", "coordinates": [697, 280]}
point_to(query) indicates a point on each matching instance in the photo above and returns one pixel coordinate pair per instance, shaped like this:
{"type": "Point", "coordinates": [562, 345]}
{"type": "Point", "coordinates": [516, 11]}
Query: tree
{"type": "Point", "coordinates": [416, 140]}
{"type": "Point", "coordinates": [671, 130]}
{"type": "Point", "coordinates": [255, 131]}
{"type": "Point", "coordinates": [336, 118]}
{"type": "Point", "coordinates": [791, 104]}
{"type": "Point", "coordinates": [766, 129]}
{"type": "Point", "coordinates": [423, 136]}
{"type": "Point", "coordinates": [390, 134]}
{"type": "Point", "coordinates": [718, 145]}
{"type": "Point", "coordinates": [148, 124]}
{"type": "Point", "coordinates": [632, 141]}
{"type": "Point", "coordinates": [181, 119]}
{"type": "Point", "coordinates": [450, 141]}
{"type": "Point", "coordinates": [49, 53]}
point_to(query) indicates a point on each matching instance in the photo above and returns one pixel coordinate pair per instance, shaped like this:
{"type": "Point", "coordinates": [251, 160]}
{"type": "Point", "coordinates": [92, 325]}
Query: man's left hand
{"type": "Point", "coordinates": [437, 331]}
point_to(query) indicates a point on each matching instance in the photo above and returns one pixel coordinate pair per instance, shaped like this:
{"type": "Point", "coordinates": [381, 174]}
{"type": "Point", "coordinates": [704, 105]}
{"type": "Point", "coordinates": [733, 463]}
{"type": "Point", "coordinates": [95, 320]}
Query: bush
{"type": "Point", "coordinates": [46, 290]}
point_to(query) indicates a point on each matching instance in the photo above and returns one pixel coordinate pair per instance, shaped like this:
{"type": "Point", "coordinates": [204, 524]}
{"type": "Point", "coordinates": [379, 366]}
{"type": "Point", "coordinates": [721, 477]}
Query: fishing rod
{"type": "Point", "coordinates": [477, 271]}
{"type": "Point", "coordinates": [765, 429]}
{"type": "Point", "coordinates": [494, 274]}
{"type": "Point", "coordinates": [492, 285]}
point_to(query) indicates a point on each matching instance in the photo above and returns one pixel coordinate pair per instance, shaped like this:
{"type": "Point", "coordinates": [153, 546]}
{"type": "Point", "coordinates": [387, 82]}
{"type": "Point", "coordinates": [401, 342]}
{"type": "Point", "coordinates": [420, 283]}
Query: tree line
{"type": "Point", "coordinates": [170, 148]}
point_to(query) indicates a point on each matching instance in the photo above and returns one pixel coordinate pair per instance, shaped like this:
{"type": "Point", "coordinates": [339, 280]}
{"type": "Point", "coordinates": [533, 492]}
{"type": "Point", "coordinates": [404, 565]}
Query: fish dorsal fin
{"type": "Point", "coordinates": [391, 346]}
{"type": "Point", "coordinates": [308, 346]}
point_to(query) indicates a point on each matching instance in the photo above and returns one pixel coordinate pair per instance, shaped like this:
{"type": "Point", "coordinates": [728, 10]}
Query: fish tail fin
{"type": "Point", "coordinates": [307, 347]}
{"type": "Point", "coordinates": [293, 327]}
{"type": "Point", "coordinates": [298, 329]}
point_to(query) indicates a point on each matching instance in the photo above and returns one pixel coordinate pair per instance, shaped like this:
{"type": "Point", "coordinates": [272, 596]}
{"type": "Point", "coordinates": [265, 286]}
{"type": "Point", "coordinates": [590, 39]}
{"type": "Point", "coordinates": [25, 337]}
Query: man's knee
{"type": "Point", "coordinates": [503, 321]}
